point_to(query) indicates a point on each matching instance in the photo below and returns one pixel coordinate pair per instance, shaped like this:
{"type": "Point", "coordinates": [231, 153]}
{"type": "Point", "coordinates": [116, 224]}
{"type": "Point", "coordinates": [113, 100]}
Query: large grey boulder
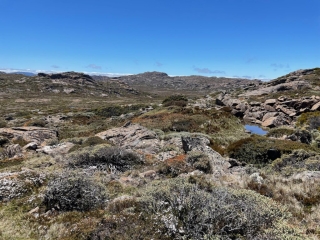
{"type": "Point", "coordinates": [276, 121]}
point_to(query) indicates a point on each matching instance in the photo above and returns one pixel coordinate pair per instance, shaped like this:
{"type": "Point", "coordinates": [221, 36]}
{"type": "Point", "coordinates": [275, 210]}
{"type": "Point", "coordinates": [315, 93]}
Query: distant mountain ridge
{"type": "Point", "coordinates": [161, 82]}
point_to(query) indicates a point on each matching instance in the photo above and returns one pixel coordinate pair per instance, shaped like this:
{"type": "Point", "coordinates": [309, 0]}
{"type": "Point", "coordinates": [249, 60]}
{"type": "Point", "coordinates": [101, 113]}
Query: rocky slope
{"type": "Point", "coordinates": [278, 102]}
{"type": "Point", "coordinates": [61, 83]}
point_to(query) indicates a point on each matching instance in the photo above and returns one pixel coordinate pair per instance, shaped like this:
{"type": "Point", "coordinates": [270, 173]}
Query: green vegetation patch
{"type": "Point", "coordinates": [263, 150]}
{"type": "Point", "coordinates": [112, 159]}
{"type": "Point", "coordinates": [309, 117]}
{"type": "Point", "coordinates": [69, 192]}
{"type": "Point", "coordinates": [175, 100]}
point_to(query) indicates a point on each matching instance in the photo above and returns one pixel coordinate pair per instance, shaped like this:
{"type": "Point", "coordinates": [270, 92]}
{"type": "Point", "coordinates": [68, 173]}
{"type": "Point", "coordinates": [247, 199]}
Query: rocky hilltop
{"type": "Point", "coordinates": [62, 83]}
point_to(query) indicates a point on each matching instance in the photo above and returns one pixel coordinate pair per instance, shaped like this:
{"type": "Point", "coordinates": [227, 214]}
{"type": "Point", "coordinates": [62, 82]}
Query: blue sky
{"type": "Point", "coordinates": [244, 38]}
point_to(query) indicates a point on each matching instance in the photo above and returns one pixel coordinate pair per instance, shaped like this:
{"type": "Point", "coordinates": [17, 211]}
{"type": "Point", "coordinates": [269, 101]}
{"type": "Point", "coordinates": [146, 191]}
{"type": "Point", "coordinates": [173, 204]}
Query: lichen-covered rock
{"type": "Point", "coordinates": [61, 148]}
{"type": "Point", "coordinates": [13, 151]}
{"type": "Point", "coordinates": [133, 136]}
{"type": "Point", "coordinates": [38, 135]}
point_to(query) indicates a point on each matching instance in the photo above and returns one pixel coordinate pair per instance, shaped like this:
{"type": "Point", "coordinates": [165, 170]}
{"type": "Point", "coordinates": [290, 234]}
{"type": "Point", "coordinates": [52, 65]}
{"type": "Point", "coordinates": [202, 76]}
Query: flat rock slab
{"type": "Point", "coordinates": [133, 136]}
{"type": "Point", "coordinates": [37, 135]}
{"type": "Point", "coordinates": [296, 85]}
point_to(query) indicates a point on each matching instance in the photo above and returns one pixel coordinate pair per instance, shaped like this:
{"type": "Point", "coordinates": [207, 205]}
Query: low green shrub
{"type": "Point", "coordinates": [305, 118]}
{"type": "Point", "coordinates": [87, 142]}
{"type": "Point", "coordinates": [69, 192]}
{"type": "Point", "coordinates": [36, 123]}
{"type": "Point", "coordinates": [189, 212]}
{"type": "Point", "coordinates": [297, 161]}
{"type": "Point", "coordinates": [104, 157]}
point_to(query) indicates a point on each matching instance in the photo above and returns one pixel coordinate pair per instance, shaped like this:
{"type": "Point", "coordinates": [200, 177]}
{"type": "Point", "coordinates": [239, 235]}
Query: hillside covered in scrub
{"type": "Point", "coordinates": [150, 156]}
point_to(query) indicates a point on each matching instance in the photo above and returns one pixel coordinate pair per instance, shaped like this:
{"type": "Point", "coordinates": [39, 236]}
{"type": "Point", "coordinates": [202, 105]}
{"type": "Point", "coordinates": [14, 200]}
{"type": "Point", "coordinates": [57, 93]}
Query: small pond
{"type": "Point", "coordinates": [255, 129]}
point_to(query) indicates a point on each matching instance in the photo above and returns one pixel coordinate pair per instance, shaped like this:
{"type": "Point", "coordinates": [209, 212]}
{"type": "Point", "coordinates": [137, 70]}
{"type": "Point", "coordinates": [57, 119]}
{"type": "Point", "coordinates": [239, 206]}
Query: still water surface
{"type": "Point", "coordinates": [256, 129]}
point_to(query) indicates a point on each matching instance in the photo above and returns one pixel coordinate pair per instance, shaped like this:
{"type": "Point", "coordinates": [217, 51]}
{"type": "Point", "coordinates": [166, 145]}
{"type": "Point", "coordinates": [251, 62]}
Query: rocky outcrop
{"type": "Point", "coordinates": [37, 135]}
{"type": "Point", "coordinates": [272, 112]}
{"type": "Point", "coordinates": [298, 85]}
{"type": "Point", "coordinates": [133, 136]}
{"type": "Point", "coordinates": [75, 77]}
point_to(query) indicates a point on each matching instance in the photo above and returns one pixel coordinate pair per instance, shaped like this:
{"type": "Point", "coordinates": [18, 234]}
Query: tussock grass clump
{"type": "Point", "coordinates": [297, 161]}
{"type": "Point", "coordinates": [199, 161]}
{"type": "Point", "coordinates": [87, 142]}
{"type": "Point", "coordinates": [309, 117]}
{"type": "Point", "coordinates": [70, 191]}
{"type": "Point", "coordinates": [3, 124]}
{"type": "Point", "coordinates": [175, 166]}
{"type": "Point", "coordinates": [113, 159]}
{"type": "Point", "coordinates": [279, 132]}
{"type": "Point", "coordinates": [263, 150]}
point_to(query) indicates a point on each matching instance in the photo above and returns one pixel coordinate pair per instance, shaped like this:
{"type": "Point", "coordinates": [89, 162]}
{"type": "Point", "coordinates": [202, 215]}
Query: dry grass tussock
{"type": "Point", "coordinates": [300, 198]}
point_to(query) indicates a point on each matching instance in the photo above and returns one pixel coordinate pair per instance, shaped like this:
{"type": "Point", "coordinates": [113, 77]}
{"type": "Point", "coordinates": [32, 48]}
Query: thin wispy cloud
{"type": "Point", "coordinates": [248, 77]}
{"type": "Point", "coordinates": [159, 64]}
{"type": "Point", "coordinates": [93, 66]}
{"type": "Point", "coordinates": [208, 71]}
{"type": "Point", "coordinates": [55, 66]}
{"type": "Point", "coordinates": [251, 60]}
{"type": "Point", "coordinates": [277, 66]}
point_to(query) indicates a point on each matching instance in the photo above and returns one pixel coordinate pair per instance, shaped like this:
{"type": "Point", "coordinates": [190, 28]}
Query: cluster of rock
{"type": "Point", "coordinates": [38, 135]}
{"type": "Point", "coordinates": [75, 77]}
{"type": "Point", "coordinates": [34, 137]}
{"type": "Point", "coordinates": [147, 142]}
{"type": "Point", "coordinates": [272, 112]}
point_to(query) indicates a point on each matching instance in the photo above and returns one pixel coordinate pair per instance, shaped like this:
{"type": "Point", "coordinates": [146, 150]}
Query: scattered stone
{"type": "Point", "coordinates": [148, 174]}
{"type": "Point", "coordinates": [255, 177]}
{"type": "Point", "coordinates": [270, 102]}
{"type": "Point", "coordinates": [316, 107]}
{"type": "Point", "coordinates": [61, 148]}
{"type": "Point", "coordinates": [31, 146]}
